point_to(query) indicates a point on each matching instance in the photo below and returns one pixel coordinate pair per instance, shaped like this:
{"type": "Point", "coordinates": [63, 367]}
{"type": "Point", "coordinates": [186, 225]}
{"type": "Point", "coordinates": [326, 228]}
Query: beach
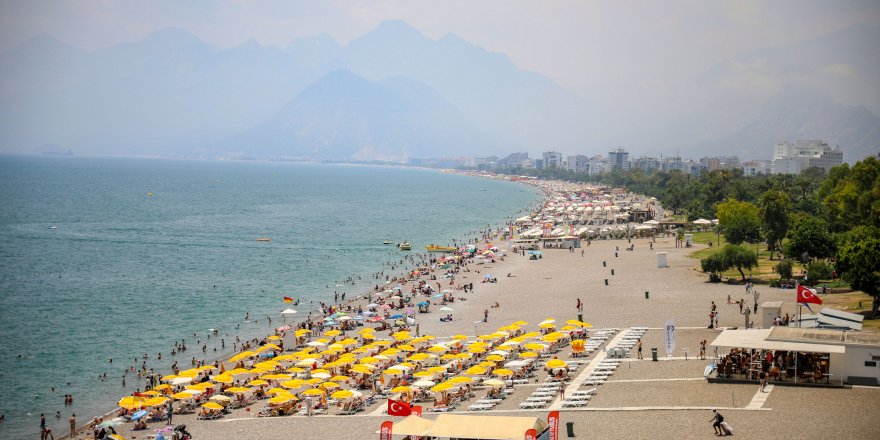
{"type": "Point", "coordinates": [666, 399]}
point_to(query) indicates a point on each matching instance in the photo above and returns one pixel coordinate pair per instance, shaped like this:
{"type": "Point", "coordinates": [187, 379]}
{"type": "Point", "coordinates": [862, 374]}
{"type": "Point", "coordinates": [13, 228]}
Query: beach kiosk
{"type": "Point", "coordinates": [688, 240]}
{"type": "Point", "coordinates": [769, 311]}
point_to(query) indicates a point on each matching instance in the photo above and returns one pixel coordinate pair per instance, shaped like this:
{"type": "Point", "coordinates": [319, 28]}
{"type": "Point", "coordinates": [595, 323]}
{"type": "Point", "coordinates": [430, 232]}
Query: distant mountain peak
{"type": "Point", "coordinates": [172, 36]}
{"type": "Point", "coordinates": [393, 31]}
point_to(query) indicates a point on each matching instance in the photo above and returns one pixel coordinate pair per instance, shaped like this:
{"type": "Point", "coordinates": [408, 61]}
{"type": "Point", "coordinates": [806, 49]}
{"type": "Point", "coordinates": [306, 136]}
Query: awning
{"type": "Point", "coordinates": [757, 339]}
{"type": "Point", "coordinates": [412, 425]}
{"type": "Point", "coordinates": [484, 427]}
{"type": "Point", "coordinates": [469, 427]}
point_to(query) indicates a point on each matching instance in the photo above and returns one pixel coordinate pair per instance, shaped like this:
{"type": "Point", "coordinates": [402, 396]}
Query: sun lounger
{"type": "Point", "coordinates": [593, 381]}
{"type": "Point", "coordinates": [440, 409]}
{"type": "Point", "coordinates": [573, 403]}
{"type": "Point", "coordinates": [589, 391]}
{"type": "Point", "coordinates": [532, 405]}
{"type": "Point", "coordinates": [488, 401]}
{"type": "Point", "coordinates": [544, 393]}
{"type": "Point", "coordinates": [480, 407]}
{"type": "Point", "coordinates": [539, 399]}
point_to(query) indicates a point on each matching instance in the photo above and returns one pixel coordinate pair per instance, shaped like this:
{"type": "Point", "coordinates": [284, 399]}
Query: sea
{"type": "Point", "coordinates": [118, 258]}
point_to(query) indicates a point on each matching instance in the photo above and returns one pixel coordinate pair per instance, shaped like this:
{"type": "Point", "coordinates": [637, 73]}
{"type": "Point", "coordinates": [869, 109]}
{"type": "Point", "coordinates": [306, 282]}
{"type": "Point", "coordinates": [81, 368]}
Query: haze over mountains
{"type": "Point", "coordinates": [394, 94]}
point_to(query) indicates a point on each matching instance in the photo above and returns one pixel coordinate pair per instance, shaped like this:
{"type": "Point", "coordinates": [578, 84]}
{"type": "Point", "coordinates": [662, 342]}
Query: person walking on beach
{"type": "Point", "coordinates": [717, 419]}
{"type": "Point", "coordinates": [42, 426]}
{"type": "Point", "coordinates": [486, 315]}
{"type": "Point", "coordinates": [72, 425]}
{"type": "Point", "coordinates": [703, 349]}
{"type": "Point", "coordinates": [639, 350]}
{"type": "Point", "coordinates": [169, 413]}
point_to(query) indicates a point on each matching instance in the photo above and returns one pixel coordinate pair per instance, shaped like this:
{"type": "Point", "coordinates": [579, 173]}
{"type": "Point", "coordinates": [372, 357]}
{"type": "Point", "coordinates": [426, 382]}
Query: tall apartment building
{"type": "Point", "coordinates": [599, 165]}
{"type": "Point", "coordinates": [668, 164]}
{"type": "Point", "coordinates": [552, 159]}
{"type": "Point", "coordinates": [579, 163]}
{"type": "Point", "coordinates": [619, 158]}
{"type": "Point", "coordinates": [646, 164]}
{"type": "Point", "coordinates": [794, 157]}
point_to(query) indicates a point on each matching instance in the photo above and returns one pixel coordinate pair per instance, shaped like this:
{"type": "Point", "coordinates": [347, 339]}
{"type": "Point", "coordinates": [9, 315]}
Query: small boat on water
{"type": "Point", "coordinates": [435, 248]}
{"type": "Point", "coordinates": [386, 242]}
{"type": "Point", "coordinates": [405, 246]}
{"type": "Point", "coordinates": [264, 239]}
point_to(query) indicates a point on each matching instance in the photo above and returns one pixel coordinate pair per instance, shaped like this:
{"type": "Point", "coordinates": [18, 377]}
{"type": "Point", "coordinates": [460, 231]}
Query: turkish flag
{"type": "Point", "coordinates": [398, 408]}
{"type": "Point", "coordinates": [807, 295]}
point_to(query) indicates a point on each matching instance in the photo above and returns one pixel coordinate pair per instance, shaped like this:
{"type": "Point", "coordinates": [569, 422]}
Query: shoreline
{"type": "Point", "coordinates": [361, 297]}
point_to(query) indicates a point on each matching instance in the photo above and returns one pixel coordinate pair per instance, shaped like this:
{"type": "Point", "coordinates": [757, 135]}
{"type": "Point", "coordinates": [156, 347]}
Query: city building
{"type": "Point", "coordinates": [579, 163]}
{"type": "Point", "coordinates": [552, 159]}
{"type": "Point", "coordinates": [756, 168]}
{"type": "Point", "coordinates": [794, 157]}
{"type": "Point", "coordinates": [598, 165]}
{"type": "Point", "coordinates": [647, 164]}
{"type": "Point", "coordinates": [619, 159]}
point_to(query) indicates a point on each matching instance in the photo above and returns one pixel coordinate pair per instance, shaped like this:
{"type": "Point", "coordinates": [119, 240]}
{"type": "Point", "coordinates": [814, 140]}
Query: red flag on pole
{"type": "Point", "coordinates": [385, 430]}
{"type": "Point", "coordinates": [807, 295]}
{"type": "Point", "coordinates": [398, 408]}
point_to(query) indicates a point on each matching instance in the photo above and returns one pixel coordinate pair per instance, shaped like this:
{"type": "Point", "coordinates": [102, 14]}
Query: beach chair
{"type": "Point", "coordinates": [488, 401]}
{"type": "Point", "coordinates": [480, 407]}
{"type": "Point", "coordinates": [574, 403]}
{"type": "Point", "coordinates": [532, 405]}
{"type": "Point", "coordinates": [539, 399]}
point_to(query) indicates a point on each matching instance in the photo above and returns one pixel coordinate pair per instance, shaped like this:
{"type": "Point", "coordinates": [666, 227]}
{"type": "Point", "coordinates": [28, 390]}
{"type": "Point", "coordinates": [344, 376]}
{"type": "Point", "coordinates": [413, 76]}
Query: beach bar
{"type": "Point", "coordinates": [799, 356]}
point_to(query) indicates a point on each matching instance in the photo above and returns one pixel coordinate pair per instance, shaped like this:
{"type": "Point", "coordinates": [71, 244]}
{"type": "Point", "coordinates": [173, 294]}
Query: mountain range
{"type": "Point", "coordinates": [395, 94]}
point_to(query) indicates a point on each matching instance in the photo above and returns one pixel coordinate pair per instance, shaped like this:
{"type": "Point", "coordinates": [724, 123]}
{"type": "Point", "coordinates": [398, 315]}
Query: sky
{"type": "Point", "coordinates": [620, 46]}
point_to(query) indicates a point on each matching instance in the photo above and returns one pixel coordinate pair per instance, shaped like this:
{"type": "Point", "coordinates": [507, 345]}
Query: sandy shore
{"type": "Point", "coordinates": [549, 288]}
{"type": "Point", "coordinates": [673, 389]}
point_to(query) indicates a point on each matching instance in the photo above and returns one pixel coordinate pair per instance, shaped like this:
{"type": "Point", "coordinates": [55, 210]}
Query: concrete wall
{"type": "Point", "coordinates": [853, 363]}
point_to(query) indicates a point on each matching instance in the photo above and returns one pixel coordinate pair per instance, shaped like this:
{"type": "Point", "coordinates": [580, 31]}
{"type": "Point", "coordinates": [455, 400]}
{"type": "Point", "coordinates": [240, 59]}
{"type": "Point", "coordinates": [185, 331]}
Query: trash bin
{"type": "Point", "coordinates": [654, 354]}
{"type": "Point", "coordinates": [569, 427]}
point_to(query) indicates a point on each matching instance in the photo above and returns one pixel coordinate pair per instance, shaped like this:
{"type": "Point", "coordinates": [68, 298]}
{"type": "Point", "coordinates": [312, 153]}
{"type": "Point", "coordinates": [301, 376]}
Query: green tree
{"type": "Point", "coordinates": [851, 196]}
{"type": "Point", "coordinates": [808, 238]}
{"type": "Point", "coordinates": [739, 257]}
{"type": "Point", "coordinates": [817, 271]}
{"type": "Point", "coordinates": [784, 269]}
{"type": "Point", "coordinates": [714, 266]}
{"type": "Point", "coordinates": [739, 221]}
{"type": "Point", "coordinates": [774, 207]}
{"type": "Point", "coordinates": [860, 266]}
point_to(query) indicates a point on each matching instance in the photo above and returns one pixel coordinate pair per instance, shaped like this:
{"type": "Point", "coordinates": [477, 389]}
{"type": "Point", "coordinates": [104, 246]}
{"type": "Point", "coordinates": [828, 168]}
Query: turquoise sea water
{"type": "Point", "coordinates": [124, 273]}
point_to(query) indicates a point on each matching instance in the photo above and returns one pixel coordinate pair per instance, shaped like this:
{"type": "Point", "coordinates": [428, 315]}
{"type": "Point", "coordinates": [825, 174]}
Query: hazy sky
{"type": "Point", "coordinates": [634, 44]}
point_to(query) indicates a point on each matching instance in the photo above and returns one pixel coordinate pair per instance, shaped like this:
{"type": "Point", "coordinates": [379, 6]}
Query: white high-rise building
{"type": "Point", "coordinates": [794, 157]}
{"type": "Point", "coordinates": [552, 159]}
{"type": "Point", "coordinates": [578, 163]}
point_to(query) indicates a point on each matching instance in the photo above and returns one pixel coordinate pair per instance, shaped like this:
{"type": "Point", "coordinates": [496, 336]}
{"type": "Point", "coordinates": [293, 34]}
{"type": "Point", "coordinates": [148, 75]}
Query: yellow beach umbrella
{"type": "Point", "coordinates": [274, 338]}
{"type": "Point", "coordinates": [459, 337]}
{"type": "Point", "coordinates": [441, 387]}
{"type": "Point", "coordinates": [192, 372]}
{"type": "Point", "coordinates": [556, 363]}
{"type": "Point", "coordinates": [418, 357]}
{"type": "Point", "coordinates": [528, 354]}
{"type": "Point", "coordinates": [520, 323]}
{"type": "Point", "coordinates": [342, 394]}
{"type": "Point", "coordinates": [461, 379]}
{"type": "Point", "coordinates": [406, 347]}
{"type": "Point", "coordinates": [162, 387]}
{"type": "Point", "coordinates": [237, 390]}
{"type": "Point", "coordinates": [169, 378]}
{"type": "Point", "coordinates": [131, 402]}
{"type": "Point", "coordinates": [495, 358]}
{"type": "Point", "coordinates": [222, 378]}
{"type": "Point", "coordinates": [332, 333]}
{"type": "Point", "coordinates": [257, 382]}
{"type": "Point", "coordinates": [293, 383]}
{"type": "Point", "coordinates": [313, 381]}
{"type": "Point", "coordinates": [502, 372]}
{"type": "Point", "coordinates": [475, 371]}
{"type": "Point", "coordinates": [212, 405]}
{"type": "Point", "coordinates": [421, 374]}
{"type": "Point", "coordinates": [340, 378]}
{"type": "Point", "coordinates": [281, 398]}
{"type": "Point", "coordinates": [276, 390]}
{"type": "Point", "coordinates": [329, 385]}
{"type": "Point", "coordinates": [116, 437]}
{"type": "Point", "coordinates": [151, 393]}
{"type": "Point", "coordinates": [438, 348]}
{"type": "Point", "coordinates": [548, 325]}
{"type": "Point", "coordinates": [535, 346]}
{"type": "Point", "coordinates": [313, 392]}
{"type": "Point", "coordinates": [241, 356]}
{"type": "Point", "coordinates": [183, 396]}
{"type": "Point", "coordinates": [438, 369]}
{"type": "Point", "coordinates": [401, 389]}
